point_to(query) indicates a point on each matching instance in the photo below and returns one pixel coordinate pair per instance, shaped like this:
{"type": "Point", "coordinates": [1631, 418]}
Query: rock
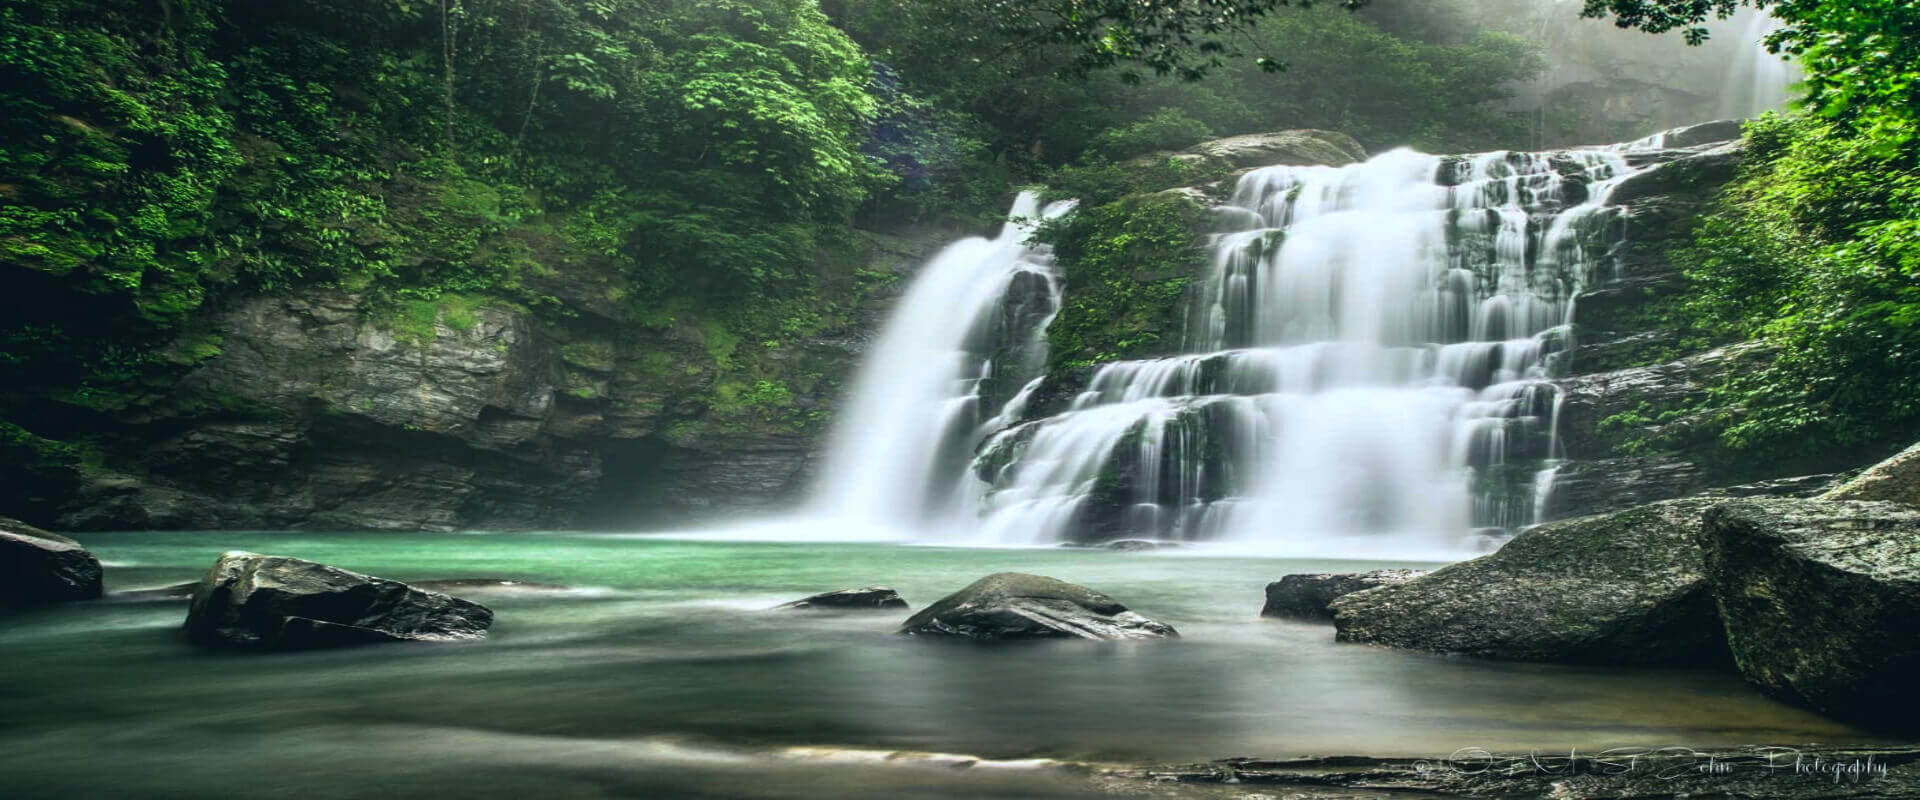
{"type": "Point", "coordinates": [1292, 148]}
{"type": "Point", "coordinates": [1140, 545]}
{"type": "Point", "coordinates": [1705, 133]}
{"type": "Point", "coordinates": [274, 602]}
{"type": "Point", "coordinates": [1623, 588]}
{"type": "Point", "coordinates": [1822, 603]}
{"type": "Point", "coordinates": [1013, 605]}
{"type": "Point", "coordinates": [1307, 596]}
{"type": "Point", "coordinates": [38, 567]}
{"type": "Point", "coordinates": [864, 599]}
{"type": "Point", "coordinates": [1895, 480]}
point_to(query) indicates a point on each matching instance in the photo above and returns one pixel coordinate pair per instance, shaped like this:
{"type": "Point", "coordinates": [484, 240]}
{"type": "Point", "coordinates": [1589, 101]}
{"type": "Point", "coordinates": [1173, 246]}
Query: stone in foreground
{"type": "Point", "coordinates": [1822, 603]}
{"type": "Point", "coordinates": [278, 603]}
{"type": "Point", "coordinates": [1895, 480]}
{"type": "Point", "coordinates": [1014, 605]}
{"type": "Point", "coordinates": [37, 567]}
{"type": "Point", "coordinates": [870, 598]}
{"type": "Point", "coordinates": [1307, 596]}
{"type": "Point", "coordinates": [1622, 588]}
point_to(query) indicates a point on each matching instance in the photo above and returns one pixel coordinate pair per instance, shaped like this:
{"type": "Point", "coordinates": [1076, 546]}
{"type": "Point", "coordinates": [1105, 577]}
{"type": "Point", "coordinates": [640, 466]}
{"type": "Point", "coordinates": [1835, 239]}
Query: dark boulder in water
{"type": "Point", "coordinates": [1014, 605]}
{"type": "Point", "coordinates": [1307, 596]}
{"type": "Point", "coordinates": [274, 602]}
{"type": "Point", "coordinates": [869, 598]}
{"type": "Point", "coordinates": [1622, 588]}
{"type": "Point", "coordinates": [1822, 603]}
{"type": "Point", "coordinates": [37, 567]}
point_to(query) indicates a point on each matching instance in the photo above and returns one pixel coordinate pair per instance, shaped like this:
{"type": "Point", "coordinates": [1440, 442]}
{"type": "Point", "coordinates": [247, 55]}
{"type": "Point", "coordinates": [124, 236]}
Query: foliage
{"type": "Point", "coordinates": [1817, 250]}
{"type": "Point", "coordinates": [1166, 129]}
{"type": "Point", "coordinates": [1125, 265]}
{"type": "Point", "coordinates": [1862, 57]}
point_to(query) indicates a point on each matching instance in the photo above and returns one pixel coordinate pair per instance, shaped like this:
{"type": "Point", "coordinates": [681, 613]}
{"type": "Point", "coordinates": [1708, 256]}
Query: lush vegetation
{"type": "Point", "coordinates": [1128, 263]}
{"type": "Point", "coordinates": [1816, 249]}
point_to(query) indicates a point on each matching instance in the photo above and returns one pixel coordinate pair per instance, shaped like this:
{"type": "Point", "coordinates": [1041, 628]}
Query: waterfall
{"type": "Point", "coordinates": [972, 322]}
{"type": "Point", "coordinates": [1759, 81]}
{"type": "Point", "coordinates": [1367, 369]}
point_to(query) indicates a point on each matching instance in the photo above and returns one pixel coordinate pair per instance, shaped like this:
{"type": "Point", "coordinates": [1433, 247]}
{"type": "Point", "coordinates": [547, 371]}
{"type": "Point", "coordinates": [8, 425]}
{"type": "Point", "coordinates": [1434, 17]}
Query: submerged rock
{"type": "Point", "coordinates": [1014, 605]}
{"type": "Point", "coordinates": [866, 598]}
{"type": "Point", "coordinates": [1895, 480]}
{"type": "Point", "coordinates": [38, 567]}
{"type": "Point", "coordinates": [1140, 545]}
{"type": "Point", "coordinates": [1822, 603]}
{"type": "Point", "coordinates": [274, 602]}
{"type": "Point", "coordinates": [1622, 588]}
{"type": "Point", "coordinates": [1307, 596]}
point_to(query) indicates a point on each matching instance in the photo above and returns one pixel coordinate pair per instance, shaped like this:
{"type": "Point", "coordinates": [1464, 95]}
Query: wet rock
{"type": "Point", "coordinates": [1298, 148]}
{"type": "Point", "coordinates": [1623, 588]}
{"type": "Point", "coordinates": [38, 567]}
{"type": "Point", "coordinates": [1013, 605]}
{"type": "Point", "coordinates": [1822, 603]}
{"type": "Point", "coordinates": [274, 602]}
{"type": "Point", "coordinates": [864, 599]}
{"type": "Point", "coordinates": [1895, 480]}
{"type": "Point", "coordinates": [1140, 545]}
{"type": "Point", "coordinates": [1307, 596]}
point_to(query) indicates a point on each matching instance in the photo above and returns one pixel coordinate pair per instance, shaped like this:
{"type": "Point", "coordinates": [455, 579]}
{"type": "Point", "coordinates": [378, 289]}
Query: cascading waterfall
{"type": "Point", "coordinates": [1367, 372]}
{"type": "Point", "coordinates": [972, 322]}
{"type": "Point", "coordinates": [1760, 81]}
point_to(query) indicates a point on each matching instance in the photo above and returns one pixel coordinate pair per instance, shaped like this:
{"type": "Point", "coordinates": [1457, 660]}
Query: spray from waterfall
{"type": "Point", "coordinates": [1759, 81]}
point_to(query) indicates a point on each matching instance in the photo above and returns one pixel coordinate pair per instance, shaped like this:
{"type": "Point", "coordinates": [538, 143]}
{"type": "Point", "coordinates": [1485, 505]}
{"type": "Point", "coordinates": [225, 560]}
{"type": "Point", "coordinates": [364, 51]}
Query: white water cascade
{"type": "Point", "coordinates": [1759, 81]}
{"type": "Point", "coordinates": [1367, 372]}
{"type": "Point", "coordinates": [923, 399]}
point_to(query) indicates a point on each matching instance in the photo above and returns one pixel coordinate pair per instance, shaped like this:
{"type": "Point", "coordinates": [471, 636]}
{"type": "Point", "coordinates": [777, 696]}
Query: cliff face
{"type": "Point", "coordinates": [318, 412]}
{"type": "Point", "coordinates": [1637, 418]}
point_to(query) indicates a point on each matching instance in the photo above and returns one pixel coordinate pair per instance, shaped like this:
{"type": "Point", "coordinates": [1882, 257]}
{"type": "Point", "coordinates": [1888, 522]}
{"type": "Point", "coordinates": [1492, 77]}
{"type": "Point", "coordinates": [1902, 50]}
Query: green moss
{"type": "Point", "coordinates": [1126, 266]}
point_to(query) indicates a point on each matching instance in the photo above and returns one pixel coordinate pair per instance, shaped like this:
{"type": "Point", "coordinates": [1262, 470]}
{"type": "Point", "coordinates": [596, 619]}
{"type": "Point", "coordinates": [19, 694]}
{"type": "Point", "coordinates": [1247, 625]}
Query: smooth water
{"type": "Point", "coordinates": [660, 673]}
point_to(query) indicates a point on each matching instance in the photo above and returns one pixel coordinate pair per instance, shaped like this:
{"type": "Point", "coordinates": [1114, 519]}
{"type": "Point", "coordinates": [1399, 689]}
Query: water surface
{"type": "Point", "coordinates": [661, 674]}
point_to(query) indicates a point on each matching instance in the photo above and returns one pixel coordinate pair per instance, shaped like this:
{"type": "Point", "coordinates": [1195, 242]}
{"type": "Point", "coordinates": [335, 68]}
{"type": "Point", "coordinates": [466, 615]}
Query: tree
{"type": "Point", "coordinates": [1862, 56]}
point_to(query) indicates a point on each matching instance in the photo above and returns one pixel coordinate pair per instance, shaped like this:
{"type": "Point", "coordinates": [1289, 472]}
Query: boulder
{"type": "Point", "coordinates": [870, 598]}
{"type": "Point", "coordinates": [274, 602]}
{"type": "Point", "coordinates": [1621, 588]}
{"type": "Point", "coordinates": [38, 567]}
{"type": "Point", "coordinates": [1298, 148]}
{"type": "Point", "coordinates": [1013, 605]}
{"type": "Point", "coordinates": [1822, 603]}
{"type": "Point", "coordinates": [1895, 480]}
{"type": "Point", "coordinates": [1307, 596]}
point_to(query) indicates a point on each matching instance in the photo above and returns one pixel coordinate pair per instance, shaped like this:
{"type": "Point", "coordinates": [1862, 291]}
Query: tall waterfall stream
{"type": "Point", "coordinates": [1365, 372]}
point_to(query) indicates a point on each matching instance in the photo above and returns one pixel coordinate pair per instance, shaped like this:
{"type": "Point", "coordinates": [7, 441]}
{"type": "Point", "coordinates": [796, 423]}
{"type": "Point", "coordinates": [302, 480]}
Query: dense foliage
{"type": "Point", "coordinates": [665, 158]}
{"type": "Point", "coordinates": [1816, 249]}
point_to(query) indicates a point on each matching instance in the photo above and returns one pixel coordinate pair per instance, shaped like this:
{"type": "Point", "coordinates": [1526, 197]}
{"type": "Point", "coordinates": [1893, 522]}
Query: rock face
{"type": "Point", "coordinates": [38, 567]}
{"type": "Point", "coordinates": [273, 602]}
{"type": "Point", "coordinates": [1013, 605]}
{"type": "Point", "coordinates": [1623, 588]}
{"type": "Point", "coordinates": [1292, 148]}
{"type": "Point", "coordinates": [1822, 603]}
{"type": "Point", "coordinates": [870, 598]}
{"type": "Point", "coordinates": [1895, 480]}
{"type": "Point", "coordinates": [1308, 596]}
{"type": "Point", "coordinates": [322, 409]}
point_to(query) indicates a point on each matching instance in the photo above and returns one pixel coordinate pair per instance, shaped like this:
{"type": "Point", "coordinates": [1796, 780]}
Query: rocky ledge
{"type": "Point", "coordinates": [273, 602]}
{"type": "Point", "coordinates": [1013, 605]}
{"type": "Point", "coordinates": [1623, 588]}
{"type": "Point", "coordinates": [1308, 596]}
